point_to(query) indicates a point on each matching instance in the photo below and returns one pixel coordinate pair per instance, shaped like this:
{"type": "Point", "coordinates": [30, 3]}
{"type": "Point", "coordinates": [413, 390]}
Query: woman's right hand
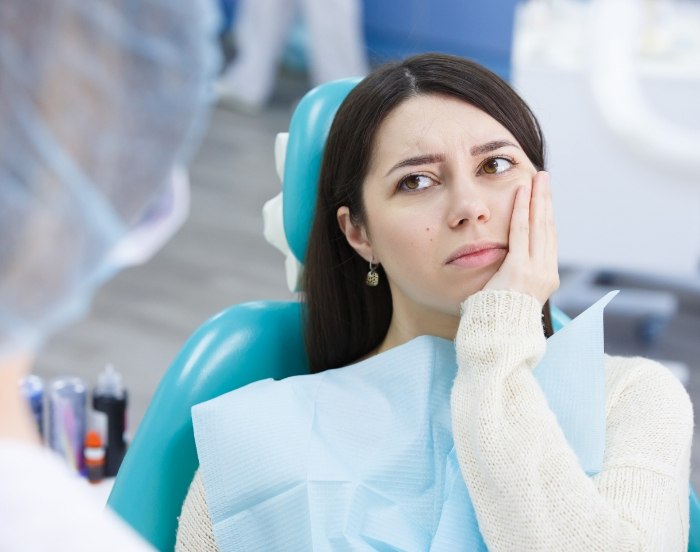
{"type": "Point", "coordinates": [531, 263]}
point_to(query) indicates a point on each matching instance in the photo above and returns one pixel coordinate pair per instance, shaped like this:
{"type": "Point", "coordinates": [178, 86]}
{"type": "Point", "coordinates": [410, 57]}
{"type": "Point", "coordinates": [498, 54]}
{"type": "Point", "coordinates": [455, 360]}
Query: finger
{"type": "Point", "coordinates": [519, 233]}
{"type": "Point", "coordinates": [539, 227]}
{"type": "Point", "coordinates": [549, 222]}
{"type": "Point", "coordinates": [540, 193]}
{"type": "Point", "coordinates": [552, 242]}
{"type": "Point", "coordinates": [547, 185]}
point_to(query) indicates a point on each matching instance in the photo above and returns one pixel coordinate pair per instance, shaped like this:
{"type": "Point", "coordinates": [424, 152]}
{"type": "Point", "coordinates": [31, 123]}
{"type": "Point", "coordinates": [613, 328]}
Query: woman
{"type": "Point", "coordinates": [434, 217]}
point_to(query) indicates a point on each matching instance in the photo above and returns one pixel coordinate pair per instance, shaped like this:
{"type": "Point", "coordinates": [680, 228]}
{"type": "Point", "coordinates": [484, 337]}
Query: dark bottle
{"type": "Point", "coordinates": [110, 397]}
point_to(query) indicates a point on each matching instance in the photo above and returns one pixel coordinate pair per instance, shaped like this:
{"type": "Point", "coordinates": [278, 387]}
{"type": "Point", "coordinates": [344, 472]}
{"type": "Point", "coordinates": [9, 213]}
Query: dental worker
{"type": "Point", "coordinates": [99, 102]}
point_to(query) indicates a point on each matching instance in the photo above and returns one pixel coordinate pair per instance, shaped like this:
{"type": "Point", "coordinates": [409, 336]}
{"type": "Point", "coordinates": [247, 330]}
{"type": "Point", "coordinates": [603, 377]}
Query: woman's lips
{"type": "Point", "coordinates": [481, 258]}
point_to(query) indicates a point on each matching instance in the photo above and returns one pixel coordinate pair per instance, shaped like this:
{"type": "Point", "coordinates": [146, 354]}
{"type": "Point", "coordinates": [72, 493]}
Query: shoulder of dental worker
{"type": "Point", "coordinates": [42, 503]}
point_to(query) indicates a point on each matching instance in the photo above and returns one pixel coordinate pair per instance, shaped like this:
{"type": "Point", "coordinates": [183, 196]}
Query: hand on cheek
{"type": "Point", "coordinates": [531, 263]}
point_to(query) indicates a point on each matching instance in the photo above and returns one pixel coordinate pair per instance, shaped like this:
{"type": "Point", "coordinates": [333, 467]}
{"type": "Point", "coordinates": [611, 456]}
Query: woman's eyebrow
{"type": "Point", "coordinates": [418, 160]}
{"type": "Point", "coordinates": [439, 157]}
{"type": "Point", "coordinates": [491, 146]}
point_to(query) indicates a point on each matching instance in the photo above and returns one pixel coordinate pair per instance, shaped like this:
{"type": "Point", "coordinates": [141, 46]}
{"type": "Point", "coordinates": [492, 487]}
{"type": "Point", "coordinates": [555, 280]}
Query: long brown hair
{"type": "Point", "coordinates": [344, 318]}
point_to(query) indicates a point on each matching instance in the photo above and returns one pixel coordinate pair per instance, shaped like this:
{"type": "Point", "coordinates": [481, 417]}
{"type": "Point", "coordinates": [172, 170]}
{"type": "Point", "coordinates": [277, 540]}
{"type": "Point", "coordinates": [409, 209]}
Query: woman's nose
{"type": "Point", "coordinates": [467, 205]}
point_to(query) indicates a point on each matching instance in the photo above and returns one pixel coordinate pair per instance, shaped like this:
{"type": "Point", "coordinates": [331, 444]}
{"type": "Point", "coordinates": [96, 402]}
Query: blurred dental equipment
{"type": "Point", "coordinates": [615, 84]}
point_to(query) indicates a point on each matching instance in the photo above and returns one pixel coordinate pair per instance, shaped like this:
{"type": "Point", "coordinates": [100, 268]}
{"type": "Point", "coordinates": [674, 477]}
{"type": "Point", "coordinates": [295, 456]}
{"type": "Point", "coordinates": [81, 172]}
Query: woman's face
{"type": "Point", "coordinates": [441, 184]}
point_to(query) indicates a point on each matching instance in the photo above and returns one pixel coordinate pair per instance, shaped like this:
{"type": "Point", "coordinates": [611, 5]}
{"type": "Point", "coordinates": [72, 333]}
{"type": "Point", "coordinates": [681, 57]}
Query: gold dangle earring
{"type": "Point", "coordinates": [372, 278]}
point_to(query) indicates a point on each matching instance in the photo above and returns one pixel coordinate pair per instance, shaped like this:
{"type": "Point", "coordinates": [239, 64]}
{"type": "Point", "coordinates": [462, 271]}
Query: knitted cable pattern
{"type": "Point", "coordinates": [528, 489]}
{"type": "Point", "coordinates": [195, 532]}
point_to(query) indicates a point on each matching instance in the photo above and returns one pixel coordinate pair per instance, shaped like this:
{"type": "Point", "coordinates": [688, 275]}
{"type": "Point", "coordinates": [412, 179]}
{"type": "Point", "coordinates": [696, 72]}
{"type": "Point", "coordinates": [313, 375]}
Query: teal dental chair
{"type": "Point", "coordinates": [242, 344]}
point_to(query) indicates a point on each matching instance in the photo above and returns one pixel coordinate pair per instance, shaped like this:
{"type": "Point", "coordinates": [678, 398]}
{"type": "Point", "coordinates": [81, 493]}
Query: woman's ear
{"type": "Point", "coordinates": [356, 234]}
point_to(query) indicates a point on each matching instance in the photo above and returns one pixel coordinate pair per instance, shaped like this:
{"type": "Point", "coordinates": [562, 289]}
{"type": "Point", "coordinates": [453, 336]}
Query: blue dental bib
{"type": "Point", "coordinates": [362, 457]}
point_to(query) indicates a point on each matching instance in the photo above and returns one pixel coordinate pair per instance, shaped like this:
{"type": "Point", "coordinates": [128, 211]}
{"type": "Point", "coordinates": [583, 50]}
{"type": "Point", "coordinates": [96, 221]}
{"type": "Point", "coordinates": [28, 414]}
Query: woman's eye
{"type": "Point", "coordinates": [496, 165]}
{"type": "Point", "coordinates": [415, 182]}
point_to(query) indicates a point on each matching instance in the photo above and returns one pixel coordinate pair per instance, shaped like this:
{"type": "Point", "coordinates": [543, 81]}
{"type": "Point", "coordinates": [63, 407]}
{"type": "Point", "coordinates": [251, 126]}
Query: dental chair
{"type": "Point", "coordinates": [244, 343]}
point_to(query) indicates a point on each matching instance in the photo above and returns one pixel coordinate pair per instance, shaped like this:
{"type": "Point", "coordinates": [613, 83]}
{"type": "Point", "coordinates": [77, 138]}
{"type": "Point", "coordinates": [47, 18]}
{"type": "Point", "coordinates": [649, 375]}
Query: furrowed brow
{"type": "Point", "coordinates": [488, 147]}
{"type": "Point", "coordinates": [428, 159]}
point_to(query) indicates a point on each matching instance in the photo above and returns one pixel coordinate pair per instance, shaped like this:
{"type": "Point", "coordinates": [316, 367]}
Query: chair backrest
{"type": "Point", "coordinates": [242, 344]}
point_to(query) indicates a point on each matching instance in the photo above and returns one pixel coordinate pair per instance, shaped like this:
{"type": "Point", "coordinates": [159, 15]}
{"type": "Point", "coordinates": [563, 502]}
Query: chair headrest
{"type": "Point", "coordinates": [308, 131]}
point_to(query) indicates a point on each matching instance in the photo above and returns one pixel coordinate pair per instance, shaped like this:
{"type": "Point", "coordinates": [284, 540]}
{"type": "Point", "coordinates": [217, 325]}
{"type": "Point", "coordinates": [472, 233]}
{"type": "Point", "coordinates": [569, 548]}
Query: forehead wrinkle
{"type": "Point", "coordinates": [417, 142]}
{"type": "Point", "coordinates": [415, 136]}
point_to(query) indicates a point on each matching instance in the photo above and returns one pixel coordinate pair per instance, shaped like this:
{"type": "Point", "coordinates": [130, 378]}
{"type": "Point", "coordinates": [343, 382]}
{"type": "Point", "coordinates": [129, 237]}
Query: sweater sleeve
{"type": "Point", "coordinates": [528, 489]}
{"type": "Point", "coordinates": [195, 531]}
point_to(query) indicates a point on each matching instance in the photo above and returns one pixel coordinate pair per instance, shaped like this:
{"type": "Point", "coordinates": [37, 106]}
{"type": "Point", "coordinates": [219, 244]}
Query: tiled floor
{"type": "Point", "coordinates": [219, 258]}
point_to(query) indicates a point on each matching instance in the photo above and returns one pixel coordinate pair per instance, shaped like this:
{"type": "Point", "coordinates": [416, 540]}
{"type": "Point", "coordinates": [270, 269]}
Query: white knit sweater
{"type": "Point", "coordinates": [528, 489]}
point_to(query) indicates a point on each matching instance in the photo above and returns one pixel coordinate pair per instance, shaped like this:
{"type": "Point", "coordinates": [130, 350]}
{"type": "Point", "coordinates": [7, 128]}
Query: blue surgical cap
{"type": "Point", "coordinates": [99, 100]}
